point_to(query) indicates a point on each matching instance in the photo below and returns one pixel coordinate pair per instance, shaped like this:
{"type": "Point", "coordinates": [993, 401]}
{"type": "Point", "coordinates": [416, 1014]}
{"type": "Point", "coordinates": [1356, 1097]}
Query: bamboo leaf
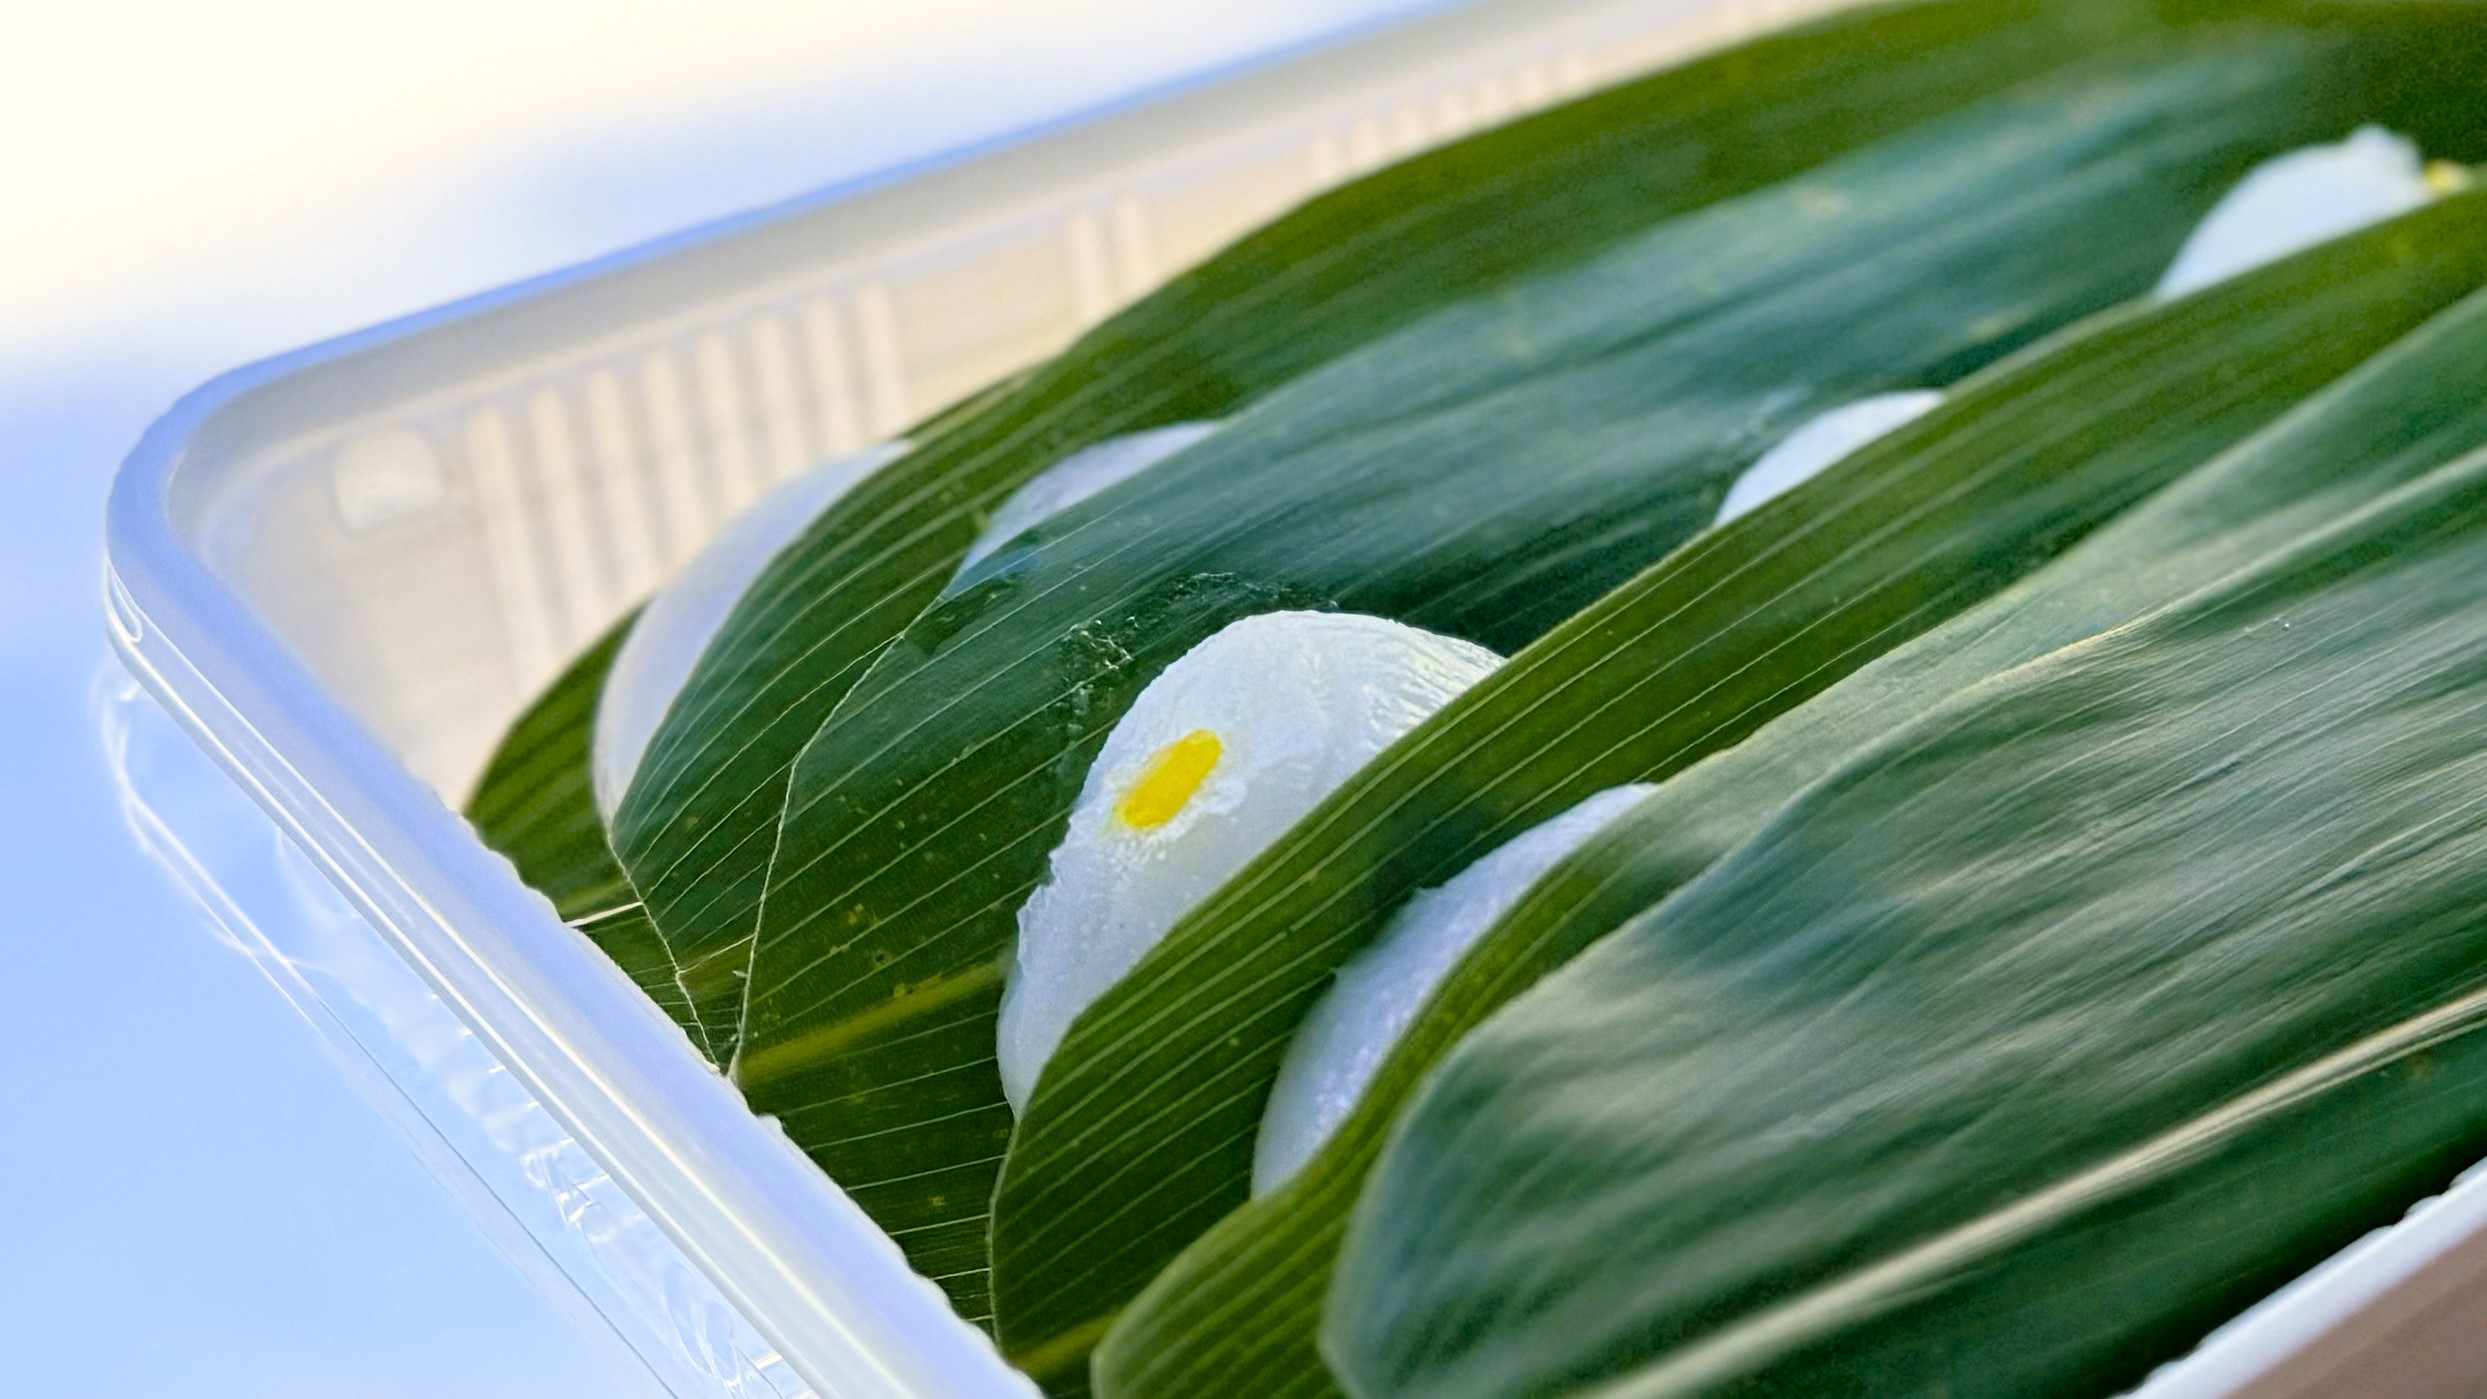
{"type": "Point", "coordinates": [1634, 386]}
{"type": "Point", "coordinates": [2016, 1054]}
{"type": "Point", "coordinates": [535, 804]}
{"type": "Point", "coordinates": [696, 829]}
{"type": "Point", "coordinates": [1139, 1133]}
{"type": "Point", "coordinates": [1245, 1300]}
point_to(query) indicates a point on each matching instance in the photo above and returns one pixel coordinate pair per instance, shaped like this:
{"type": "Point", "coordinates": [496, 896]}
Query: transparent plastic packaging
{"type": "Point", "coordinates": [342, 572]}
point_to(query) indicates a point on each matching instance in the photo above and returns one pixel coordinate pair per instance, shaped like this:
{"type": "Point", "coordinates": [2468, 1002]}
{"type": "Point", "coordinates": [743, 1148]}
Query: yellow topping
{"type": "Point", "coordinates": [2445, 177]}
{"type": "Point", "coordinates": [1172, 776]}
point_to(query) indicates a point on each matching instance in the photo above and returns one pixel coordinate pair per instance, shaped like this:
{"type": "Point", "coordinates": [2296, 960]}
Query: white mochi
{"type": "Point", "coordinates": [2291, 202]}
{"type": "Point", "coordinates": [1342, 1043]}
{"type": "Point", "coordinates": [1822, 440]}
{"type": "Point", "coordinates": [679, 621]}
{"type": "Point", "coordinates": [1078, 476]}
{"type": "Point", "coordinates": [1292, 702]}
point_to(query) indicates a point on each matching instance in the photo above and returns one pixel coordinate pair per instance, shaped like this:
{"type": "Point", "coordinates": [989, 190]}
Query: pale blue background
{"type": "Point", "coordinates": [192, 1200]}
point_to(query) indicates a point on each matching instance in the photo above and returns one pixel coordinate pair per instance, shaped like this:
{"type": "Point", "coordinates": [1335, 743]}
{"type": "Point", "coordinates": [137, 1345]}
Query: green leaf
{"type": "Point", "coordinates": [535, 804]}
{"type": "Point", "coordinates": [2015, 1055]}
{"type": "Point", "coordinates": [696, 829]}
{"type": "Point", "coordinates": [1138, 1136]}
{"type": "Point", "coordinates": [1633, 387]}
{"type": "Point", "coordinates": [1246, 1298]}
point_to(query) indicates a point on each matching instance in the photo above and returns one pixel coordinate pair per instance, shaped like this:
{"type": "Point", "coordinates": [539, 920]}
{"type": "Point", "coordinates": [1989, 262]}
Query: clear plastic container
{"type": "Point", "coordinates": [343, 571]}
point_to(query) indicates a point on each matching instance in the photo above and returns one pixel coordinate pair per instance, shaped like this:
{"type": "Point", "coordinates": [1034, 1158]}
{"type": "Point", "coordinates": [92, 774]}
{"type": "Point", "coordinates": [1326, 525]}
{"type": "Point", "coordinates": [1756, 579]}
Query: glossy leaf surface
{"type": "Point", "coordinates": [2013, 1056]}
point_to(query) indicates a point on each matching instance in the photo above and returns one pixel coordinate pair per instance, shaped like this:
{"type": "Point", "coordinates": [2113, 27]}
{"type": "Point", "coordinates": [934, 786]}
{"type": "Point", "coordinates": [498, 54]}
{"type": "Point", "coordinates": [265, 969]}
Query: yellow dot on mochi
{"type": "Point", "coordinates": [1169, 781]}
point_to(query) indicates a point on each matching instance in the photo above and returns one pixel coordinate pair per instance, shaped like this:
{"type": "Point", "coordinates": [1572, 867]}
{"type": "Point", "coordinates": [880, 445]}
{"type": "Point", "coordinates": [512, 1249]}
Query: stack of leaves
{"type": "Point", "coordinates": [2051, 926]}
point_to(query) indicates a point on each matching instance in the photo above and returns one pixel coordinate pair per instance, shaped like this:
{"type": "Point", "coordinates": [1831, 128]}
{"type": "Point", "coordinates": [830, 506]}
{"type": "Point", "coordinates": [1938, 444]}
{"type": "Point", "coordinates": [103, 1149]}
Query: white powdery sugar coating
{"type": "Point", "coordinates": [2291, 202]}
{"type": "Point", "coordinates": [1296, 701]}
{"type": "Point", "coordinates": [1078, 476]}
{"type": "Point", "coordinates": [684, 615]}
{"type": "Point", "coordinates": [1822, 440]}
{"type": "Point", "coordinates": [1342, 1043]}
